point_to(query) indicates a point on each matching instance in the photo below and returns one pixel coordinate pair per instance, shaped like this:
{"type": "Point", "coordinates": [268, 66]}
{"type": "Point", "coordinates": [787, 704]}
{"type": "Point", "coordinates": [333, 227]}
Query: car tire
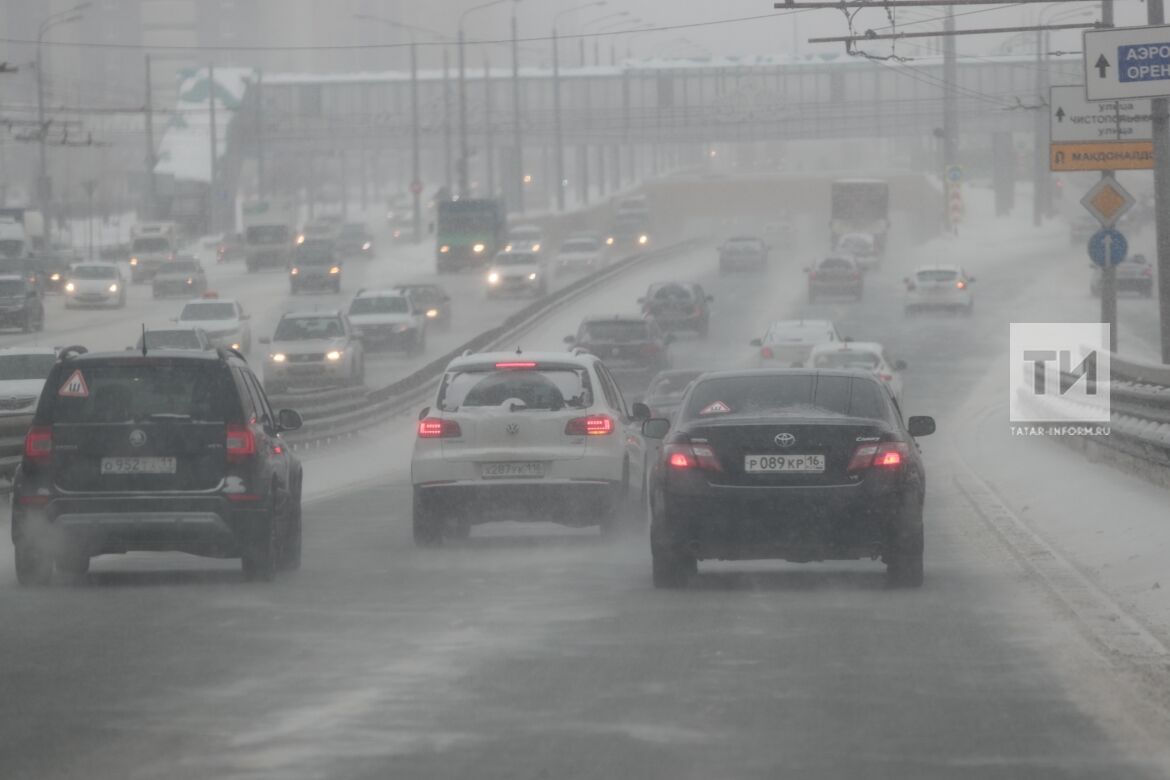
{"type": "Point", "coordinates": [290, 551]}
{"type": "Point", "coordinates": [669, 568]}
{"type": "Point", "coordinates": [33, 568]}
{"type": "Point", "coordinates": [905, 550]}
{"type": "Point", "coordinates": [426, 523]}
{"type": "Point", "coordinates": [262, 554]}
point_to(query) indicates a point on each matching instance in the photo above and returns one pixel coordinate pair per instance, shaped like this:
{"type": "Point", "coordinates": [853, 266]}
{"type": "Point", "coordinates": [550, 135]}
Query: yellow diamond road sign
{"type": "Point", "coordinates": [1107, 201]}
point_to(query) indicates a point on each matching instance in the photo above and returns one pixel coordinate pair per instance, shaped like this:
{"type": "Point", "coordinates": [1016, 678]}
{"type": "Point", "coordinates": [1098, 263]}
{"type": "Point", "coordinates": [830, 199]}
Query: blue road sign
{"type": "Point", "coordinates": [954, 173]}
{"type": "Point", "coordinates": [1108, 245]}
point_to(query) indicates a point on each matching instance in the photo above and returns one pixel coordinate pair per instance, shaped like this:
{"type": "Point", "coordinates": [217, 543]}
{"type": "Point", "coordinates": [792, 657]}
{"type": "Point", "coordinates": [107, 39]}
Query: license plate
{"type": "Point", "coordinates": [139, 465]}
{"type": "Point", "coordinates": [784, 464]}
{"type": "Point", "coordinates": [504, 470]}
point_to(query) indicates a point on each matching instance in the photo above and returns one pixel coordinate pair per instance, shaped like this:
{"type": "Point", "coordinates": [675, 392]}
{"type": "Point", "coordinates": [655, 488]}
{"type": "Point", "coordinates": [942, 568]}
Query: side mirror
{"type": "Point", "coordinates": [900, 365]}
{"type": "Point", "coordinates": [422, 414]}
{"type": "Point", "coordinates": [920, 426]}
{"type": "Point", "coordinates": [570, 339]}
{"type": "Point", "coordinates": [289, 420]}
{"type": "Point", "coordinates": [640, 411]}
{"type": "Point", "coordinates": [656, 428]}
{"type": "Point", "coordinates": [757, 342]}
{"type": "Point", "coordinates": [265, 340]}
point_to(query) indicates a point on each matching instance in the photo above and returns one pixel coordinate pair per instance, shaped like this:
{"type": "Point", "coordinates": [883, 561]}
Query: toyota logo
{"type": "Point", "coordinates": [137, 437]}
{"type": "Point", "coordinates": [784, 440]}
{"type": "Point", "coordinates": [512, 428]}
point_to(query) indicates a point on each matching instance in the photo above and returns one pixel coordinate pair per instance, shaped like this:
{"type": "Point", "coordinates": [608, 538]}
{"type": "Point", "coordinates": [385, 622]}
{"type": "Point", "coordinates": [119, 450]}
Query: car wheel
{"type": "Point", "coordinates": [290, 551]}
{"type": "Point", "coordinates": [426, 522]}
{"type": "Point", "coordinates": [671, 569]}
{"type": "Point", "coordinates": [263, 553]}
{"type": "Point", "coordinates": [73, 565]}
{"type": "Point", "coordinates": [904, 550]}
{"type": "Point", "coordinates": [33, 567]}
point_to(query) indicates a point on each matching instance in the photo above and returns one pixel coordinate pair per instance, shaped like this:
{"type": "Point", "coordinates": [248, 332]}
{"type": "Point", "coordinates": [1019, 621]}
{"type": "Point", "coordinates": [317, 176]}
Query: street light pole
{"type": "Point", "coordinates": [517, 133]}
{"type": "Point", "coordinates": [558, 133]}
{"type": "Point", "coordinates": [464, 185]}
{"type": "Point", "coordinates": [415, 170]}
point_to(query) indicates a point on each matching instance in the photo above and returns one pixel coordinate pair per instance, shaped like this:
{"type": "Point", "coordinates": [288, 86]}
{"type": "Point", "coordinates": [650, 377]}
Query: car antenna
{"type": "Point", "coordinates": [518, 352]}
{"type": "Point", "coordinates": [144, 339]}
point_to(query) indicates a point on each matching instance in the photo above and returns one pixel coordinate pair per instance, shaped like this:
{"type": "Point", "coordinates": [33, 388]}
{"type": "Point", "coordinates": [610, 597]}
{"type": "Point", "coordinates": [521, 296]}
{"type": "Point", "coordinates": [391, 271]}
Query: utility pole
{"type": "Point", "coordinates": [488, 145]}
{"type": "Point", "coordinates": [950, 140]}
{"type": "Point", "coordinates": [464, 185]}
{"type": "Point", "coordinates": [415, 172]}
{"type": "Point", "coordinates": [150, 160]}
{"type": "Point", "coordinates": [446, 121]}
{"type": "Point", "coordinates": [1109, 271]}
{"type": "Point", "coordinates": [212, 198]}
{"type": "Point", "coordinates": [1040, 150]}
{"type": "Point", "coordinates": [43, 184]}
{"type": "Point", "coordinates": [517, 133]}
{"type": "Point", "coordinates": [261, 173]}
{"type": "Point", "coordinates": [558, 143]}
{"type": "Point", "coordinates": [1158, 108]}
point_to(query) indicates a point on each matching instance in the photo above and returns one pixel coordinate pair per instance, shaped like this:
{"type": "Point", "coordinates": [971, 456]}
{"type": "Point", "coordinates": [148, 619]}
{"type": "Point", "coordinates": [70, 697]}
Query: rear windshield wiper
{"type": "Point", "coordinates": [168, 416]}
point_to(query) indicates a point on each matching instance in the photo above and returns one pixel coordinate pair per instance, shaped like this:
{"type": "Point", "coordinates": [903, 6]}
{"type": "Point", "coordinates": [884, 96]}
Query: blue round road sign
{"type": "Point", "coordinates": [1108, 246]}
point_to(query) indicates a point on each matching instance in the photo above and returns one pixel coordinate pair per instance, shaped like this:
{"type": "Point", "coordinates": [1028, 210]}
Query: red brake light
{"type": "Point", "coordinates": [681, 460]}
{"type": "Point", "coordinates": [886, 377]}
{"type": "Point", "coordinates": [38, 443]}
{"type": "Point", "coordinates": [691, 456]}
{"type": "Point", "coordinates": [885, 455]}
{"type": "Point", "coordinates": [438, 428]}
{"type": "Point", "coordinates": [241, 443]}
{"type": "Point", "coordinates": [593, 425]}
{"type": "Point", "coordinates": [961, 284]}
{"type": "Point", "coordinates": [518, 364]}
{"type": "Point", "coordinates": [766, 352]}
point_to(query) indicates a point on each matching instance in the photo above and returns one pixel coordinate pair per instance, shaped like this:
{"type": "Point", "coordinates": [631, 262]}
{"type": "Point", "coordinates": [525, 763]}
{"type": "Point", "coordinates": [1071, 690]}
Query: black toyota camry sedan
{"type": "Point", "coordinates": [795, 464]}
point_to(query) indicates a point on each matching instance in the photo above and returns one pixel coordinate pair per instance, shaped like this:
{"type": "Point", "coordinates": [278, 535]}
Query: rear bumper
{"type": "Point", "coordinates": [832, 523]}
{"type": "Point", "coordinates": [209, 525]}
{"type": "Point", "coordinates": [850, 287]}
{"type": "Point", "coordinates": [315, 281]}
{"type": "Point", "coordinates": [91, 299]}
{"type": "Point", "coordinates": [937, 302]}
{"type": "Point", "coordinates": [173, 288]}
{"type": "Point", "coordinates": [568, 502]}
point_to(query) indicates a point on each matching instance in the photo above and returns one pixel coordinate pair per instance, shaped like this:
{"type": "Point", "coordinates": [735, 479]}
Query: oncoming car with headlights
{"type": "Point", "coordinates": [537, 436]}
{"type": "Point", "coordinates": [388, 319]}
{"type": "Point", "coordinates": [314, 267]}
{"type": "Point", "coordinates": [516, 272]}
{"type": "Point", "coordinates": [313, 349]}
{"type": "Point", "coordinates": [95, 284]}
{"type": "Point", "coordinates": [525, 238]}
{"type": "Point", "coordinates": [222, 319]}
{"type": "Point", "coordinates": [432, 300]}
{"type": "Point", "coordinates": [794, 464]}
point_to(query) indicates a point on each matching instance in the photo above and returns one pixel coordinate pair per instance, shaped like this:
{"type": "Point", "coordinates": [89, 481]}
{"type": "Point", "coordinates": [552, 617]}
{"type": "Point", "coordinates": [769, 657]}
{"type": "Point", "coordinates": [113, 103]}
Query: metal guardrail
{"type": "Point", "coordinates": [342, 412]}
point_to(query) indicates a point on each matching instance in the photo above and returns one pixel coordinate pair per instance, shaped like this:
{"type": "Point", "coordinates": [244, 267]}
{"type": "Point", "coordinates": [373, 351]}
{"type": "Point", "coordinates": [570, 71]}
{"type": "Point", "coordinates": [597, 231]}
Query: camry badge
{"type": "Point", "coordinates": [784, 440]}
{"type": "Point", "coordinates": [137, 437]}
{"type": "Point", "coordinates": [512, 428]}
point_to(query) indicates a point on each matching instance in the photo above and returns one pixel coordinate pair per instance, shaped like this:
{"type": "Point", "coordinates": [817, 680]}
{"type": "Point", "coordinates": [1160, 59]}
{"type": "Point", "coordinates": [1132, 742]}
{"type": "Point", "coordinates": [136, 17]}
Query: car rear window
{"type": "Point", "coordinates": [267, 234]}
{"type": "Point", "coordinates": [846, 359]}
{"type": "Point", "coordinates": [618, 331]}
{"type": "Point", "coordinates": [304, 328]}
{"type": "Point", "coordinates": [171, 339]}
{"type": "Point", "coordinates": [671, 293]}
{"type": "Point", "coordinates": [182, 267]}
{"type": "Point", "coordinates": [26, 366]}
{"type": "Point", "coordinates": [384, 304]}
{"type": "Point", "coordinates": [550, 388]}
{"type": "Point", "coordinates": [798, 334]}
{"type": "Point", "coordinates": [937, 276]}
{"type": "Point", "coordinates": [515, 258]}
{"type": "Point", "coordinates": [788, 394]}
{"type": "Point", "coordinates": [136, 390]}
{"type": "Point", "coordinates": [151, 245]}
{"type": "Point", "coordinates": [208, 311]}
{"type": "Point", "coordinates": [836, 264]}
{"type": "Point", "coordinates": [671, 385]}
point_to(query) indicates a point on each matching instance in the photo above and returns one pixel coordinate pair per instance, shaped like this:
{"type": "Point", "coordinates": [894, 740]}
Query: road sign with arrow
{"type": "Point", "coordinates": [1127, 62]}
{"type": "Point", "coordinates": [1103, 136]}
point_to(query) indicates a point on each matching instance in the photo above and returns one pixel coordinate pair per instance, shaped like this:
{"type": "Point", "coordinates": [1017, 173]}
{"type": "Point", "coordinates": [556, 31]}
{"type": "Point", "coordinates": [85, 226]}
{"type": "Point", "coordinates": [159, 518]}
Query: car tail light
{"type": "Point", "coordinates": [38, 444]}
{"type": "Point", "coordinates": [886, 377]}
{"type": "Point", "coordinates": [884, 455]}
{"type": "Point", "coordinates": [961, 285]}
{"type": "Point", "coordinates": [438, 428]}
{"type": "Point", "coordinates": [241, 443]}
{"type": "Point", "coordinates": [593, 425]}
{"type": "Point", "coordinates": [766, 352]}
{"type": "Point", "coordinates": [689, 455]}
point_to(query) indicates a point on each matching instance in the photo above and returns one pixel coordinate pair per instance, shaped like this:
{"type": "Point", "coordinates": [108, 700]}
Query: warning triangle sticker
{"type": "Point", "coordinates": [716, 408]}
{"type": "Point", "coordinates": [74, 387]}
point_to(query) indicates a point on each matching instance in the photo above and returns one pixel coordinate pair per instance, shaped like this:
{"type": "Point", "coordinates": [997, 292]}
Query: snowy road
{"type": "Point", "coordinates": [536, 652]}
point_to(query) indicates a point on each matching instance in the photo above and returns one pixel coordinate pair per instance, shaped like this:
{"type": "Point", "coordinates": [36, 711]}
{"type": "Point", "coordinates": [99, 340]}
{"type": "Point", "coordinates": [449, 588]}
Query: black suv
{"type": "Point", "coordinates": [168, 451]}
{"type": "Point", "coordinates": [20, 304]}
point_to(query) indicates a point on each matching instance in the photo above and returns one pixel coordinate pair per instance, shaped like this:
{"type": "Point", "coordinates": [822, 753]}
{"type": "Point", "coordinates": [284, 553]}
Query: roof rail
{"type": "Point", "coordinates": [580, 351]}
{"type": "Point", "coordinates": [226, 352]}
{"type": "Point", "coordinates": [71, 352]}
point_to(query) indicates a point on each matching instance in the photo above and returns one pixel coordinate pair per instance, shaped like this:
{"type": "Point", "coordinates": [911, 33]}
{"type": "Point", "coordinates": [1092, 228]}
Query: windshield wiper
{"type": "Point", "coordinates": [168, 417]}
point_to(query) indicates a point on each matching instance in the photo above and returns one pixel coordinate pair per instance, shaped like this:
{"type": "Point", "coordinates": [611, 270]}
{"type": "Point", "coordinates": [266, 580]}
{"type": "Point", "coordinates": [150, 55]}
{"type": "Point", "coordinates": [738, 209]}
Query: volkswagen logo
{"type": "Point", "coordinates": [512, 428]}
{"type": "Point", "coordinates": [784, 440]}
{"type": "Point", "coordinates": [137, 437]}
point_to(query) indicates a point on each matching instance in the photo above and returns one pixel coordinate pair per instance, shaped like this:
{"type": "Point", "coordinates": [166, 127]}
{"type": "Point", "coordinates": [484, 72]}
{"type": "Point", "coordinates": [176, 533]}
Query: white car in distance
{"type": "Point", "coordinates": [939, 287]}
{"type": "Point", "coordinates": [525, 436]}
{"type": "Point", "coordinates": [516, 272]}
{"type": "Point", "coordinates": [388, 319]}
{"type": "Point", "coordinates": [582, 252]}
{"type": "Point", "coordinates": [868, 356]}
{"type": "Point", "coordinates": [95, 284]}
{"type": "Point", "coordinates": [788, 343]}
{"type": "Point", "coordinates": [23, 371]}
{"type": "Point", "coordinates": [222, 319]}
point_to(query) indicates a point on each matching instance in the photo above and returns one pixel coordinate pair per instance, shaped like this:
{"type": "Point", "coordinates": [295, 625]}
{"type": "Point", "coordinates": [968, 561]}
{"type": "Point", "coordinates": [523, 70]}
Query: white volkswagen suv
{"type": "Point", "coordinates": [536, 436]}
